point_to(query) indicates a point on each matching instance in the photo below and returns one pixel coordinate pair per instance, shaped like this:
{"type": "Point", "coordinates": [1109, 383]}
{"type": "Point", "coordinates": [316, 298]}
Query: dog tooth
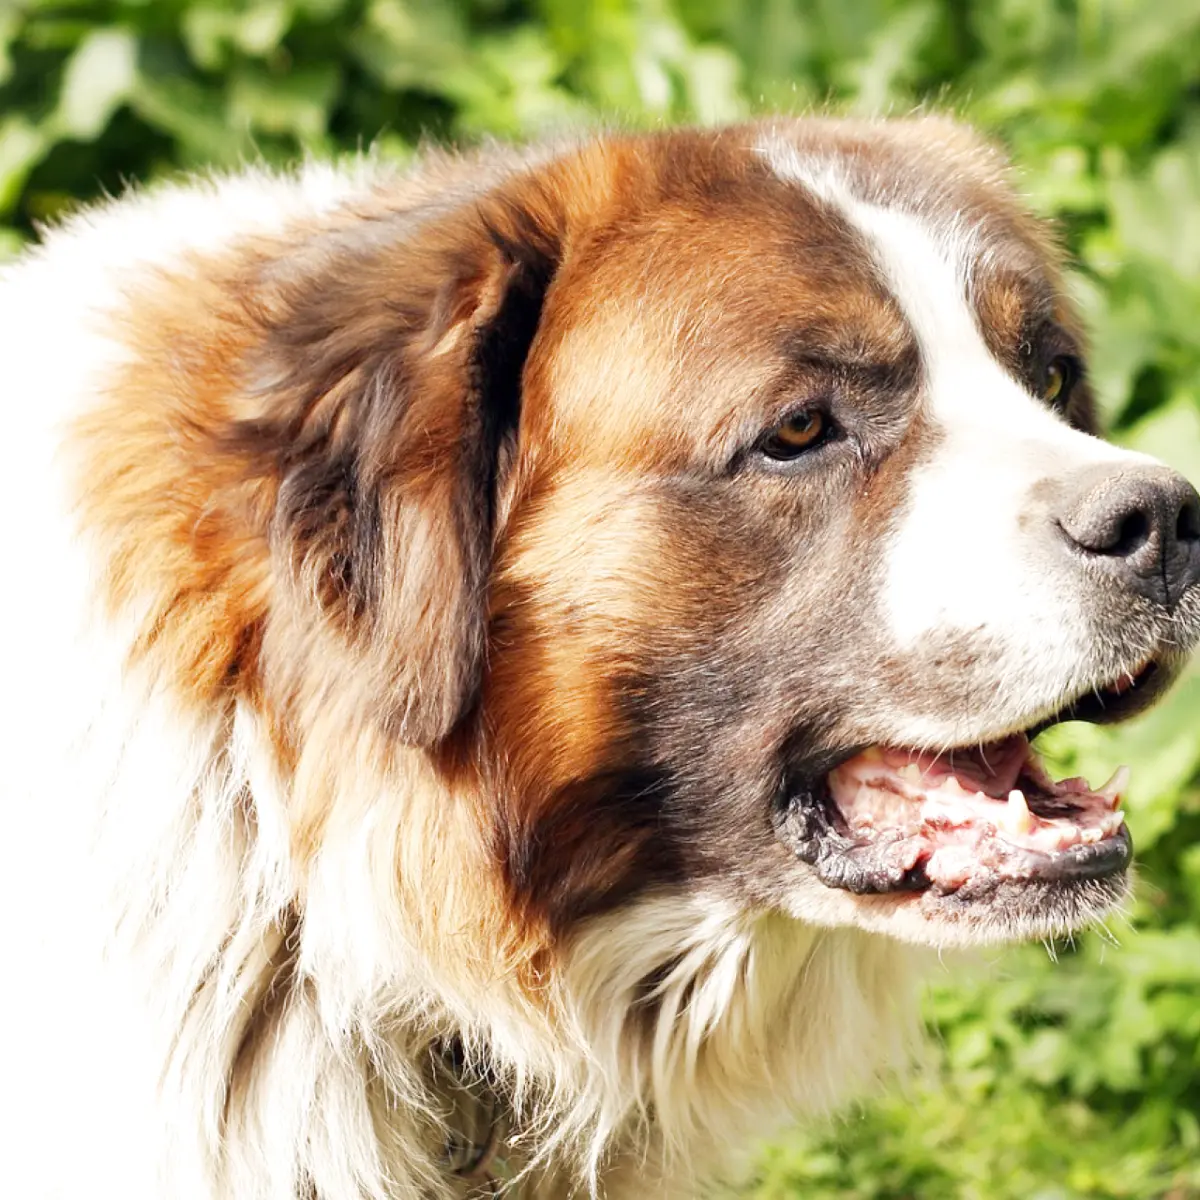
{"type": "Point", "coordinates": [1088, 836]}
{"type": "Point", "coordinates": [1017, 817]}
{"type": "Point", "coordinates": [1115, 787]}
{"type": "Point", "coordinates": [910, 773]}
{"type": "Point", "coordinates": [951, 785]}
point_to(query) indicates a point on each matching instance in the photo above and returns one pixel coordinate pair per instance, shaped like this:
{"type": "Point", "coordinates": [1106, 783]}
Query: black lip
{"type": "Point", "coordinates": [1099, 860]}
{"type": "Point", "coordinates": [810, 824]}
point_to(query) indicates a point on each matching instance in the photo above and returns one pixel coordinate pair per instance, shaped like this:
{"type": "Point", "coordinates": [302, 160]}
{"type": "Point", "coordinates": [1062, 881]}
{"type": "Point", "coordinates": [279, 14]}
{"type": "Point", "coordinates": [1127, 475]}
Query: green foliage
{"type": "Point", "coordinates": [1050, 1079]}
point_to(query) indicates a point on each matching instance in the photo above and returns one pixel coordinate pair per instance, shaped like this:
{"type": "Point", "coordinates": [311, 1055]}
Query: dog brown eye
{"type": "Point", "coordinates": [800, 432]}
{"type": "Point", "coordinates": [1059, 377]}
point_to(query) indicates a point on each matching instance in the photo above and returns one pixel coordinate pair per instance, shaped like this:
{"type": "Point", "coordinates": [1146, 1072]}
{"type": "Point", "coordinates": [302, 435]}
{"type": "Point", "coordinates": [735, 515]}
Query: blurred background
{"type": "Point", "coordinates": [1054, 1072]}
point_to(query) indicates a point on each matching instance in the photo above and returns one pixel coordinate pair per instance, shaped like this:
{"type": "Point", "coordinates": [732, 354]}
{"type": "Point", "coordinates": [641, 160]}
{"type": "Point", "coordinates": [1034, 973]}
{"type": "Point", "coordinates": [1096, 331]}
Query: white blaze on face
{"type": "Point", "coordinates": [965, 556]}
{"type": "Point", "coordinates": [971, 553]}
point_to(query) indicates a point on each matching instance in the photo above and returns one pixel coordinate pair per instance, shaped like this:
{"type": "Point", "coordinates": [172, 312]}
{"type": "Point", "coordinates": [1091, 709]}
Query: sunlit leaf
{"type": "Point", "coordinates": [212, 30]}
{"type": "Point", "coordinates": [296, 103]}
{"type": "Point", "coordinates": [22, 144]}
{"type": "Point", "coordinates": [99, 77]}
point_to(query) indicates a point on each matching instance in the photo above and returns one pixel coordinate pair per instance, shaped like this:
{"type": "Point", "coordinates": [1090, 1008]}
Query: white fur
{"type": "Point", "coordinates": [105, 786]}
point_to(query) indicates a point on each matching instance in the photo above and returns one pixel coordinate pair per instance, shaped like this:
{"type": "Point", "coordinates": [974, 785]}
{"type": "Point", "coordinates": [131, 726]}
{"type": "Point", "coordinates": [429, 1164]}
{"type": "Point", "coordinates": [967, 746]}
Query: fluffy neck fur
{"type": "Point", "coordinates": [299, 1020]}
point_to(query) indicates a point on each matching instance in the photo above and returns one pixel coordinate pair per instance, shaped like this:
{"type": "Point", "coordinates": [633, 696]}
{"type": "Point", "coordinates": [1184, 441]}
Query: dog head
{"type": "Point", "coordinates": [721, 509]}
{"type": "Point", "coordinates": [736, 511]}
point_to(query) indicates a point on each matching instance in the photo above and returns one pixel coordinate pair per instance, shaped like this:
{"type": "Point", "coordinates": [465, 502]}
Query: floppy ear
{"type": "Point", "coordinates": [394, 366]}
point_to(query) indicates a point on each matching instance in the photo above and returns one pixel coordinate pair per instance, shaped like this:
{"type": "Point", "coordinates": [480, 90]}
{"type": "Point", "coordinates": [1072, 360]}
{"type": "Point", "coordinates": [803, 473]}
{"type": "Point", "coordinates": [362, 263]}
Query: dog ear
{"type": "Point", "coordinates": [395, 366]}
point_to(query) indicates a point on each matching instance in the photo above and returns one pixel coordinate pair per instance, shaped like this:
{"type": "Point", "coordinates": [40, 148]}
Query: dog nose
{"type": "Point", "coordinates": [1142, 524]}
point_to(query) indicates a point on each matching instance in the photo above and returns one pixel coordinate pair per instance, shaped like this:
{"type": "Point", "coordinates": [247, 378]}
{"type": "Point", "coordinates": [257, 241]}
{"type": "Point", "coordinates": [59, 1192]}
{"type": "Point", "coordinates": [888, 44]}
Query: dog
{"type": "Point", "coordinates": [520, 661]}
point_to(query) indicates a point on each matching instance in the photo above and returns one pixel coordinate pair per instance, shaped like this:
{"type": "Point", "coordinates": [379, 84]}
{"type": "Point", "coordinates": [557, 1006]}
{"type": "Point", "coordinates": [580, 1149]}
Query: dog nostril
{"type": "Point", "coordinates": [1132, 533]}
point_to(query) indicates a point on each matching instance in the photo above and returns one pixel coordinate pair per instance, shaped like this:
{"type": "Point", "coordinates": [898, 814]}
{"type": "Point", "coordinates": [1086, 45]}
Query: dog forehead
{"type": "Point", "coordinates": [675, 329]}
{"type": "Point", "coordinates": [968, 265]}
{"type": "Point", "coordinates": [672, 331]}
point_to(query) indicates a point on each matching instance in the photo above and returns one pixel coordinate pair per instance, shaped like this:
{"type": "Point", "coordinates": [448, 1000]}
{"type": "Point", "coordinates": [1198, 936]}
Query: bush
{"type": "Point", "coordinates": [1070, 1078]}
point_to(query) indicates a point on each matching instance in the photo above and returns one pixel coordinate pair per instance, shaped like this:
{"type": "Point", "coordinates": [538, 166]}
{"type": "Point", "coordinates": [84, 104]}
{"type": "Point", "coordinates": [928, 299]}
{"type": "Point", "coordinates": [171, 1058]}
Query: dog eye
{"type": "Point", "coordinates": [1061, 373]}
{"type": "Point", "coordinates": [800, 432]}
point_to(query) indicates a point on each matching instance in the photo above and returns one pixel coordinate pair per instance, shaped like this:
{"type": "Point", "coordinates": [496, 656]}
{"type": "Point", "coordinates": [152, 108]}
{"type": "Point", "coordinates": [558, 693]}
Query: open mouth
{"type": "Point", "coordinates": [965, 821]}
{"type": "Point", "coordinates": [973, 817]}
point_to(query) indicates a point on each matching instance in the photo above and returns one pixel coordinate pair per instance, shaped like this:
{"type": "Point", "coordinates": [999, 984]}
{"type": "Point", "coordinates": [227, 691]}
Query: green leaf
{"type": "Point", "coordinates": [99, 78]}
{"type": "Point", "coordinates": [295, 104]}
{"type": "Point", "coordinates": [1171, 433]}
{"type": "Point", "coordinates": [22, 145]}
{"type": "Point", "coordinates": [11, 243]}
{"type": "Point", "coordinates": [10, 26]}
{"type": "Point", "coordinates": [193, 115]}
{"type": "Point", "coordinates": [212, 31]}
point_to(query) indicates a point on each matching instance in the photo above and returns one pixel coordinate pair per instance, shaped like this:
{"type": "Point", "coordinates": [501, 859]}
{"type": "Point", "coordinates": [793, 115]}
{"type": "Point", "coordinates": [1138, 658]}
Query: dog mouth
{"type": "Point", "coordinates": [967, 821]}
{"type": "Point", "coordinates": [903, 820]}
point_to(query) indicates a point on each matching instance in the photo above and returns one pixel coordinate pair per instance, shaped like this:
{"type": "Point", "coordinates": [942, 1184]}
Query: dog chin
{"type": "Point", "coordinates": [1014, 912]}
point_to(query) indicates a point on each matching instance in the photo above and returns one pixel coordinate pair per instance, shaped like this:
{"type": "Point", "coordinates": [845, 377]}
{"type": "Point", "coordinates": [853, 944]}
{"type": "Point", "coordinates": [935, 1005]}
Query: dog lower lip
{"type": "Point", "coordinates": [891, 821]}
